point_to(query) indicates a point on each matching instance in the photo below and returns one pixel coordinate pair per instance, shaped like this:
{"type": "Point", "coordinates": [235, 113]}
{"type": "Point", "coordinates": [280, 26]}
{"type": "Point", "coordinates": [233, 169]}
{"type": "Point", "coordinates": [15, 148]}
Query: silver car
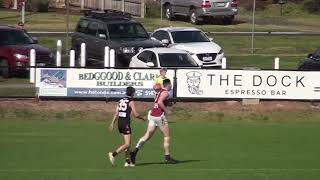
{"type": "Point", "coordinates": [200, 10]}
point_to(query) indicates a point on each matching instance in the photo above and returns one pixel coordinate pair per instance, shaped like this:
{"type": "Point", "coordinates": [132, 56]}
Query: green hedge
{"type": "Point", "coordinates": [312, 6]}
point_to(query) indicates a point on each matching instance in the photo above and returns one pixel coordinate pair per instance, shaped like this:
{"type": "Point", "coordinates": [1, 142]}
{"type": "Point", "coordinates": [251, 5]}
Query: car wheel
{"type": "Point", "coordinates": [194, 16]}
{"type": "Point", "coordinates": [168, 12]}
{"type": "Point", "coordinates": [4, 69]}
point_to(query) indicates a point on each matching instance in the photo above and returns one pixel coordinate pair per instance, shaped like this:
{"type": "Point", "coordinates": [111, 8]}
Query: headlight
{"type": "Point", "coordinates": [221, 51]}
{"type": "Point", "coordinates": [20, 56]}
{"type": "Point", "coordinates": [128, 50]}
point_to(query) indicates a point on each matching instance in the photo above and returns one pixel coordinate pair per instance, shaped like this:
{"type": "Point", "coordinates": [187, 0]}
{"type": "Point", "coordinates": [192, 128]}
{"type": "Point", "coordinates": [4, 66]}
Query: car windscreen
{"type": "Point", "coordinates": [176, 60]}
{"type": "Point", "coordinates": [125, 31]}
{"type": "Point", "coordinates": [189, 36]}
{"type": "Point", "coordinates": [14, 37]}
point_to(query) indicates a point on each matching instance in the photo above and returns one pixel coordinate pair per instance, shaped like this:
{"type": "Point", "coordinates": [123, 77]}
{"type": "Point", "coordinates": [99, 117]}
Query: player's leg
{"type": "Point", "coordinates": [166, 141]}
{"type": "Point", "coordinates": [149, 133]}
{"type": "Point", "coordinates": [125, 130]}
{"type": "Point", "coordinates": [125, 146]}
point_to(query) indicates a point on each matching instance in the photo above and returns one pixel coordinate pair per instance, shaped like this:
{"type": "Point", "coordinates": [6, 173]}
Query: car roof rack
{"type": "Point", "coordinates": [107, 14]}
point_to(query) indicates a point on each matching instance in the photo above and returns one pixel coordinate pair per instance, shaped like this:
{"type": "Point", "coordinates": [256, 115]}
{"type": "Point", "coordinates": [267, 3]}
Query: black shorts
{"type": "Point", "coordinates": [124, 127]}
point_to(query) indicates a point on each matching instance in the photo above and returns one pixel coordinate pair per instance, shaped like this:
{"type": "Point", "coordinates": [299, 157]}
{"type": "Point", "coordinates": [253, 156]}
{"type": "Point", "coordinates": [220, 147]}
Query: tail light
{"type": "Point", "coordinates": [234, 3]}
{"type": "Point", "coordinates": [205, 4]}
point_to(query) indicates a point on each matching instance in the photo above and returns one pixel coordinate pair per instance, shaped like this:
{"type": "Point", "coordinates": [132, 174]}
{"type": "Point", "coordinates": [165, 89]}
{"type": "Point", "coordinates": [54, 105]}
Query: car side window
{"type": "Point", "coordinates": [83, 26]}
{"type": "Point", "coordinates": [161, 35]}
{"type": "Point", "coordinates": [101, 30]}
{"type": "Point", "coordinates": [93, 29]}
{"type": "Point", "coordinates": [166, 36]}
{"type": "Point", "coordinates": [143, 56]}
{"type": "Point", "coordinates": [153, 59]}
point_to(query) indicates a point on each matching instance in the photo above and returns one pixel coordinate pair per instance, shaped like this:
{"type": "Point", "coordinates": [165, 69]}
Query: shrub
{"type": "Point", "coordinates": [312, 6]}
{"type": "Point", "coordinates": [260, 4]}
{"type": "Point", "coordinates": [38, 5]}
{"type": "Point", "coordinates": [153, 9]}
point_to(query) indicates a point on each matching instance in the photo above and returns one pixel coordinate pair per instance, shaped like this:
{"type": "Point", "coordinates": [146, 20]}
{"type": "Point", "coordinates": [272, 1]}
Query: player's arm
{"type": "Point", "coordinates": [132, 105]}
{"type": "Point", "coordinates": [114, 120]}
{"type": "Point", "coordinates": [164, 95]}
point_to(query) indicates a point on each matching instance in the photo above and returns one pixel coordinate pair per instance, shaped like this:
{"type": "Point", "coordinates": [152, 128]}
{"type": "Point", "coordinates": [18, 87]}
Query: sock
{"type": "Point", "coordinates": [114, 154]}
{"type": "Point", "coordinates": [167, 157]}
{"type": "Point", "coordinates": [128, 156]}
{"type": "Point", "coordinates": [135, 151]}
{"type": "Point", "coordinates": [140, 143]}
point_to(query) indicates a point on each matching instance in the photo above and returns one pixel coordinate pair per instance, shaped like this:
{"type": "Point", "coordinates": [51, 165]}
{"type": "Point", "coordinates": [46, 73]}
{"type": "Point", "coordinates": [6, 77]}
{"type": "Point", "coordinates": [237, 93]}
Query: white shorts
{"type": "Point", "coordinates": [157, 121]}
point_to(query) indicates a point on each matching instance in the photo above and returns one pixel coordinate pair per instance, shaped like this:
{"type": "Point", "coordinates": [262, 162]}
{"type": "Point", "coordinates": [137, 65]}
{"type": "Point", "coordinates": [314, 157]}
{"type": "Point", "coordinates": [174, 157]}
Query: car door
{"type": "Point", "coordinates": [81, 35]}
{"type": "Point", "coordinates": [180, 6]}
{"type": "Point", "coordinates": [100, 43]}
{"type": "Point", "coordinates": [91, 45]}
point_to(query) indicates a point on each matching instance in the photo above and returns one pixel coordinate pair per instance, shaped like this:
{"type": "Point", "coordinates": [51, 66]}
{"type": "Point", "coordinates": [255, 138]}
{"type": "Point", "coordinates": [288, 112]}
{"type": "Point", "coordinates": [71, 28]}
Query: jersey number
{"type": "Point", "coordinates": [123, 104]}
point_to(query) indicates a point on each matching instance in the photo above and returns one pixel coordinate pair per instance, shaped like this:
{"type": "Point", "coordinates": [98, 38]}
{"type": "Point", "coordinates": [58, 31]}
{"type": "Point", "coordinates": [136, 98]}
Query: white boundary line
{"type": "Point", "coordinates": [168, 170]}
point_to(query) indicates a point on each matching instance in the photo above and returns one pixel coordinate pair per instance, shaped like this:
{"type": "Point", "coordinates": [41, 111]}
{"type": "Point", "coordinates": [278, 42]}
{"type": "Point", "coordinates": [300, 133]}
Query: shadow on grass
{"type": "Point", "coordinates": [214, 21]}
{"type": "Point", "coordinates": [159, 163]}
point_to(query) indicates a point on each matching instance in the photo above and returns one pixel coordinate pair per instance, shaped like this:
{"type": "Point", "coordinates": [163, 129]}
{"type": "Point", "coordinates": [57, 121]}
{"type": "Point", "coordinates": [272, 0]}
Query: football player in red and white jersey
{"type": "Point", "coordinates": [157, 118]}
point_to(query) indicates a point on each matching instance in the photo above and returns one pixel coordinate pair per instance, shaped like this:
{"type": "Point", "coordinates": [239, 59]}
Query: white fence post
{"type": "Point", "coordinates": [32, 65]}
{"type": "Point", "coordinates": [107, 56]}
{"type": "Point", "coordinates": [58, 55]}
{"type": "Point", "coordinates": [15, 5]}
{"type": "Point", "coordinates": [224, 63]}
{"type": "Point", "coordinates": [276, 64]}
{"type": "Point", "coordinates": [102, 5]}
{"type": "Point", "coordinates": [72, 58]}
{"type": "Point", "coordinates": [82, 4]}
{"type": "Point", "coordinates": [112, 58]}
{"type": "Point", "coordinates": [23, 10]}
{"type": "Point", "coordinates": [83, 55]}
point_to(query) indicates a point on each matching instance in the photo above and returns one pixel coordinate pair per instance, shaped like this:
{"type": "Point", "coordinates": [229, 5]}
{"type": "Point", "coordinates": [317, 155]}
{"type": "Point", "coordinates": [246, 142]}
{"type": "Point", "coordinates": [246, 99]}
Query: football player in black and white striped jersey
{"type": "Point", "coordinates": [123, 115]}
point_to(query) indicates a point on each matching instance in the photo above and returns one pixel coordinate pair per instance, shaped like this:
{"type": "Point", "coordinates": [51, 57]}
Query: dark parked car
{"type": "Point", "coordinates": [116, 29]}
{"type": "Point", "coordinates": [311, 63]}
{"type": "Point", "coordinates": [15, 46]}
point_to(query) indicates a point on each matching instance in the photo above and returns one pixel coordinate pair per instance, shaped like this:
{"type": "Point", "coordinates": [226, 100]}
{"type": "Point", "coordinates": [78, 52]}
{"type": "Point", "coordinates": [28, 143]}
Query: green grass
{"type": "Point", "coordinates": [38, 21]}
{"type": "Point", "coordinates": [17, 92]}
{"type": "Point", "coordinates": [16, 87]}
{"type": "Point", "coordinates": [242, 146]}
{"type": "Point", "coordinates": [268, 20]}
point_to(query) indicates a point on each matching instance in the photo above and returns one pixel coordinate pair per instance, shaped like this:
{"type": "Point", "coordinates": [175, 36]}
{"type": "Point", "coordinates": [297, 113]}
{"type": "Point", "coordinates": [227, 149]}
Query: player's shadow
{"type": "Point", "coordinates": [157, 163]}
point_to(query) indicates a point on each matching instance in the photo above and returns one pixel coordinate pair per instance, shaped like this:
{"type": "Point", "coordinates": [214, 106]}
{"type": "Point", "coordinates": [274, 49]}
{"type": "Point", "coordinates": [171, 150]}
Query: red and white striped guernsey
{"type": "Point", "coordinates": [157, 111]}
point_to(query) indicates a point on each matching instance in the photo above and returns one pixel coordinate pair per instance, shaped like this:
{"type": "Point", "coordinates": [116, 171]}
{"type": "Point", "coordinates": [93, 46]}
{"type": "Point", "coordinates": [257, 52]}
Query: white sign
{"type": "Point", "coordinates": [96, 82]}
{"type": "Point", "coordinates": [248, 84]}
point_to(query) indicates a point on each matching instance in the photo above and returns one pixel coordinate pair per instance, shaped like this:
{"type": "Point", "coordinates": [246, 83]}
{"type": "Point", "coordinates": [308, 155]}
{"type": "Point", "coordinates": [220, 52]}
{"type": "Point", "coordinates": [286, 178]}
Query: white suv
{"type": "Point", "coordinates": [206, 53]}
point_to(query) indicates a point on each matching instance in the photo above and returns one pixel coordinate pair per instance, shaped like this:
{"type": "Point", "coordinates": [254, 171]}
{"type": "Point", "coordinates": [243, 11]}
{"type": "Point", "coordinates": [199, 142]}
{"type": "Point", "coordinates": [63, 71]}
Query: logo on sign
{"type": "Point", "coordinates": [53, 78]}
{"type": "Point", "coordinates": [193, 81]}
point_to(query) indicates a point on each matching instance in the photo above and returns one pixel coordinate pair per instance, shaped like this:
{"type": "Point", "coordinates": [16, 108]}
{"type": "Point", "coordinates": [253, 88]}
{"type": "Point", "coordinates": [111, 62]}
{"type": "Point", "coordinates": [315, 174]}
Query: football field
{"type": "Point", "coordinates": [245, 150]}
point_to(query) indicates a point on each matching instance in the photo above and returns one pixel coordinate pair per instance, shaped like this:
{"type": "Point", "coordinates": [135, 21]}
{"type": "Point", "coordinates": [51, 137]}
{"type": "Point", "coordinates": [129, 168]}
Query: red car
{"type": "Point", "coordinates": [15, 46]}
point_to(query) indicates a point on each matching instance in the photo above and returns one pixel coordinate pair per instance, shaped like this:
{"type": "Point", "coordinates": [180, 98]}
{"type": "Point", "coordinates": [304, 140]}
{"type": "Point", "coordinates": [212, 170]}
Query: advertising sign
{"type": "Point", "coordinates": [96, 82]}
{"type": "Point", "coordinates": [248, 84]}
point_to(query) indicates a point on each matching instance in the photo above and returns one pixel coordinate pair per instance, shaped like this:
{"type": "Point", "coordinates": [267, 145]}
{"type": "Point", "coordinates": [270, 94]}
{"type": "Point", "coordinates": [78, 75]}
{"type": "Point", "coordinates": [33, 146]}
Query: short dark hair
{"type": "Point", "coordinates": [130, 91]}
{"type": "Point", "coordinates": [163, 70]}
{"type": "Point", "coordinates": [166, 82]}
